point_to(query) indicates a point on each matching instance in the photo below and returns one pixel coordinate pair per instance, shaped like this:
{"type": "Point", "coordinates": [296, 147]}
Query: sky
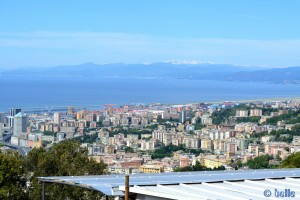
{"type": "Point", "coordinates": [35, 33]}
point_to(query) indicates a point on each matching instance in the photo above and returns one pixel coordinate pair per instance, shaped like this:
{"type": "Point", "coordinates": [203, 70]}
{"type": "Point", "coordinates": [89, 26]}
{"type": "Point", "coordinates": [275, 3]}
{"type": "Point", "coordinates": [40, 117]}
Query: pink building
{"type": "Point", "coordinates": [184, 162]}
{"type": "Point", "coordinates": [272, 148]}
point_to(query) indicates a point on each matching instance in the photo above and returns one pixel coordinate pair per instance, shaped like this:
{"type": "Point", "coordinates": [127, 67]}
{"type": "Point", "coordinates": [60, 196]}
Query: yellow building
{"type": "Point", "coordinates": [212, 161]}
{"type": "Point", "coordinates": [206, 143]}
{"type": "Point", "coordinates": [150, 169]}
{"type": "Point", "coordinates": [180, 127]}
{"type": "Point", "coordinates": [177, 154]}
{"type": "Point", "coordinates": [79, 115]}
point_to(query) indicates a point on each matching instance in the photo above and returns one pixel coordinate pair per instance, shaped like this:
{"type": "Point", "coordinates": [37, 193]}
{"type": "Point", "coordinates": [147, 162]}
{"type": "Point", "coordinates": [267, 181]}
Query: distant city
{"type": "Point", "coordinates": [159, 138]}
{"type": "Point", "coordinates": [147, 100]}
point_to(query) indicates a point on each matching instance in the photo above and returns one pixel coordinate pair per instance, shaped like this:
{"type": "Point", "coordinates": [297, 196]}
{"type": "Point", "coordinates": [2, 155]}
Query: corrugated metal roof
{"type": "Point", "coordinates": [227, 190]}
{"type": "Point", "coordinates": [109, 184]}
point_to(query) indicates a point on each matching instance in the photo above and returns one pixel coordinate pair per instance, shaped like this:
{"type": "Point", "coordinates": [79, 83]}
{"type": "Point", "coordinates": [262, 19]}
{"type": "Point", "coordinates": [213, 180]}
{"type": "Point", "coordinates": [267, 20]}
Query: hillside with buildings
{"type": "Point", "coordinates": [159, 138]}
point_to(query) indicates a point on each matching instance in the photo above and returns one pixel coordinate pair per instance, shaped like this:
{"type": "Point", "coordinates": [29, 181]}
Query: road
{"type": "Point", "coordinates": [22, 150]}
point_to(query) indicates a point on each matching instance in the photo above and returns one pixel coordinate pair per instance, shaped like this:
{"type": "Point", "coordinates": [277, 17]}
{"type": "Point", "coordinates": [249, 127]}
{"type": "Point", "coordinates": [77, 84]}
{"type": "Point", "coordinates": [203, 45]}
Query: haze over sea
{"type": "Point", "coordinates": [27, 93]}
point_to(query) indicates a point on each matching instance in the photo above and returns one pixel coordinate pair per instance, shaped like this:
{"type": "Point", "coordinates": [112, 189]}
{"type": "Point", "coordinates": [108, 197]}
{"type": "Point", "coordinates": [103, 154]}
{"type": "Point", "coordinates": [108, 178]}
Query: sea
{"type": "Point", "coordinates": [40, 92]}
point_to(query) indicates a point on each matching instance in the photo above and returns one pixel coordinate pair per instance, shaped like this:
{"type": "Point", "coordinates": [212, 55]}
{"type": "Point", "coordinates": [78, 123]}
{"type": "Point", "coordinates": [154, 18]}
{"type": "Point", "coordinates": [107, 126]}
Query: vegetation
{"type": "Point", "coordinates": [64, 159]}
{"type": "Point", "coordinates": [261, 162]}
{"type": "Point", "coordinates": [167, 151]}
{"type": "Point", "coordinates": [292, 161]}
{"type": "Point", "coordinates": [129, 150]}
{"type": "Point", "coordinates": [50, 133]}
{"type": "Point", "coordinates": [286, 135]}
{"type": "Point", "coordinates": [99, 124]}
{"type": "Point", "coordinates": [161, 121]}
{"type": "Point", "coordinates": [11, 176]}
{"type": "Point", "coordinates": [129, 131]}
{"type": "Point", "coordinates": [267, 111]}
{"type": "Point", "coordinates": [292, 117]}
{"type": "Point", "coordinates": [259, 135]}
{"type": "Point", "coordinates": [219, 117]}
{"type": "Point", "coordinates": [223, 114]}
{"type": "Point", "coordinates": [45, 143]}
{"type": "Point", "coordinates": [86, 138]}
{"type": "Point", "coordinates": [194, 151]}
{"type": "Point", "coordinates": [153, 126]}
{"type": "Point", "coordinates": [199, 125]}
{"type": "Point", "coordinates": [197, 167]}
{"type": "Point", "coordinates": [248, 119]}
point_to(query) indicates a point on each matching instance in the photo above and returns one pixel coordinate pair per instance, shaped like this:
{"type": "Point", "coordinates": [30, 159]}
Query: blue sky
{"type": "Point", "coordinates": [49, 33]}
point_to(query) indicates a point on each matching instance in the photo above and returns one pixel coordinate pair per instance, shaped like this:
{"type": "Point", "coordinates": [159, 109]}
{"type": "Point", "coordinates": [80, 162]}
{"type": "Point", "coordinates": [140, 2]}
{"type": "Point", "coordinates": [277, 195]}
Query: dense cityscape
{"type": "Point", "coordinates": [159, 138]}
{"type": "Point", "coordinates": [149, 100]}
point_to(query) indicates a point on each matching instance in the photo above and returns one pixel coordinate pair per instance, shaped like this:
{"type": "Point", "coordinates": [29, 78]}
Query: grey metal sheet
{"type": "Point", "coordinates": [106, 183]}
{"type": "Point", "coordinates": [224, 190]}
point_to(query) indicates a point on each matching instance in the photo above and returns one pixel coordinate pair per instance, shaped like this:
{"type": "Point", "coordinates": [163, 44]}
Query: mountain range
{"type": "Point", "coordinates": [202, 71]}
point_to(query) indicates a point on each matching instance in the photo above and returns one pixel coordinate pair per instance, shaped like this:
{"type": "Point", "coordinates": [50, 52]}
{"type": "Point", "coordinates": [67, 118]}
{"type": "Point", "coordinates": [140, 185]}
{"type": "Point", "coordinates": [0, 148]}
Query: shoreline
{"type": "Point", "coordinates": [89, 107]}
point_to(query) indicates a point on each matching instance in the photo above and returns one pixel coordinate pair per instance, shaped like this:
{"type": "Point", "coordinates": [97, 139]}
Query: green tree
{"type": "Point", "coordinates": [260, 162]}
{"type": "Point", "coordinates": [291, 117]}
{"type": "Point", "coordinates": [239, 163]}
{"type": "Point", "coordinates": [221, 115]}
{"type": "Point", "coordinates": [50, 133]}
{"type": "Point", "coordinates": [286, 135]}
{"type": "Point", "coordinates": [129, 150]}
{"type": "Point", "coordinates": [267, 111]}
{"type": "Point", "coordinates": [199, 125]}
{"type": "Point", "coordinates": [166, 151]}
{"type": "Point", "coordinates": [86, 138]}
{"type": "Point", "coordinates": [12, 181]}
{"type": "Point", "coordinates": [292, 161]}
{"type": "Point", "coordinates": [63, 159]}
{"type": "Point", "coordinates": [198, 166]}
{"type": "Point", "coordinates": [248, 119]}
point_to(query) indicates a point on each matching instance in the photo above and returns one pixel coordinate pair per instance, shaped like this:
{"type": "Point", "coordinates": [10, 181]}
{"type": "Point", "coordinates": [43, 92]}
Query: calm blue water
{"type": "Point", "coordinates": [26, 93]}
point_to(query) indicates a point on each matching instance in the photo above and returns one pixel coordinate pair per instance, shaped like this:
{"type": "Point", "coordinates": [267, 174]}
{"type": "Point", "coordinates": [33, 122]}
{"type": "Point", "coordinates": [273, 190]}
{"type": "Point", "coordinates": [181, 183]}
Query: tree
{"type": "Point", "coordinates": [260, 162]}
{"type": "Point", "coordinates": [239, 163]}
{"type": "Point", "coordinates": [50, 133]}
{"type": "Point", "coordinates": [223, 114]}
{"type": "Point", "coordinates": [198, 166]}
{"type": "Point", "coordinates": [292, 161]}
{"type": "Point", "coordinates": [12, 182]}
{"type": "Point", "coordinates": [166, 151]}
{"type": "Point", "coordinates": [86, 138]}
{"type": "Point", "coordinates": [129, 150]}
{"type": "Point", "coordinates": [286, 135]}
{"type": "Point", "coordinates": [63, 159]}
{"type": "Point", "coordinates": [248, 119]}
{"type": "Point", "coordinates": [292, 117]}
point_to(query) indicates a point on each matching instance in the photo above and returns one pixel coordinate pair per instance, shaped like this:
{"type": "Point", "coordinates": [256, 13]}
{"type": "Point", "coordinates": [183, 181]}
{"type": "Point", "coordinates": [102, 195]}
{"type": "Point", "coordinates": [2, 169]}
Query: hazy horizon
{"type": "Point", "coordinates": [45, 34]}
{"type": "Point", "coordinates": [174, 62]}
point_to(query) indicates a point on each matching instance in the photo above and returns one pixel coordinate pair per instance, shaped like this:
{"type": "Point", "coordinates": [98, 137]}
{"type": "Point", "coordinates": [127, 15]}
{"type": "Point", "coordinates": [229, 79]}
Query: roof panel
{"type": "Point", "coordinates": [106, 183]}
{"type": "Point", "coordinates": [215, 191]}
